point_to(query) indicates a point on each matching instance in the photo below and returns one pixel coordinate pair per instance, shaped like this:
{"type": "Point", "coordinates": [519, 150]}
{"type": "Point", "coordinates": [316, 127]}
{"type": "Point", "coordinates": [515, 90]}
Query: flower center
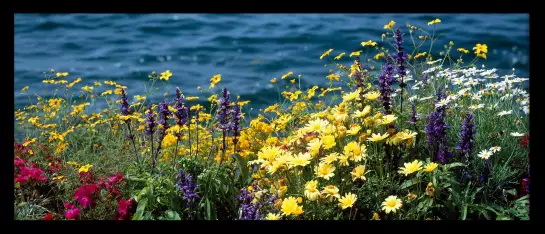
{"type": "Point", "coordinates": [392, 203]}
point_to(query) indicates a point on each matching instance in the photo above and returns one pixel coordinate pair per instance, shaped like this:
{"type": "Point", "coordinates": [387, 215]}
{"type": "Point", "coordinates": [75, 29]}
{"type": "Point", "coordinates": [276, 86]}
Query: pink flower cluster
{"type": "Point", "coordinates": [90, 188]}
{"type": "Point", "coordinates": [125, 209]}
{"type": "Point", "coordinates": [27, 172]}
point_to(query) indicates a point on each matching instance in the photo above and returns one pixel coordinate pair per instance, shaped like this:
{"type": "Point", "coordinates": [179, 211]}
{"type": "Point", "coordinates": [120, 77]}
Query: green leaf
{"type": "Point", "coordinates": [485, 214]}
{"type": "Point", "coordinates": [512, 192]}
{"type": "Point", "coordinates": [456, 164]}
{"type": "Point", "coordinates": [503, 217]}
{"type": "Point", "coordinates": [140, 209]}
{"type": "Point", "coordinates": [409, 183]}
{"type": "Point", "coordinates": [208, 213]}
{"type": "Point", "coordinates": [171, 215]}
{"type": "Point", "coordinates": [242, 163]}
{"type": "Point", "coordinates": [464, 213]}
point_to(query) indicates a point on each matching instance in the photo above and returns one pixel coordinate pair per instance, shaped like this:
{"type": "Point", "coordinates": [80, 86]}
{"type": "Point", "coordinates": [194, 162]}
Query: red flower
{"type": "Point", "coordinates": [31, 174]}
{"type": "Point", "coordinates": [123, 209]}
{"type": "Point", "coordinates": [86, 177]}
{"type": "Point", "coordinates": [116, 178]}
{"type": "Point", "coordinates": [524, 141]}
{"type": "Point", "coordinates": [84, 194]}
{"type": "Point", "coordinates": [525, 186]}
{"type": "Point", "coordinates": [55, 166]}
{"type": "Point", "coordinates": [48, 216]}
{"type": "Point", "coordinates": [19, 162]}
{"type": "Point", "coordinates": [19, 148]}
{"type": "Point", "coordinates": [71, 211]}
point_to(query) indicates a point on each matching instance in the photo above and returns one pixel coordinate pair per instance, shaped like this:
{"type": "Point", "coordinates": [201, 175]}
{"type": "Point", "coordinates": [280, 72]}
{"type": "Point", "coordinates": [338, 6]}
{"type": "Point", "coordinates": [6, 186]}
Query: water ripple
{"type": "Point", "coordinates": [248, 49]}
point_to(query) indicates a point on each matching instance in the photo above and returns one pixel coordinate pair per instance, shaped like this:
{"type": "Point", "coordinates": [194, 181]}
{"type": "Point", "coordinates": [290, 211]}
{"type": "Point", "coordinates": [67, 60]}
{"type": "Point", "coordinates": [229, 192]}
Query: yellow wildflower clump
{"type": "Point", "coordinates": [325, 170]}
{"type": "Point", "coordinates": [215, 80]}
{"type": "Point", "coordinates": [391, 204]}
{"type": "Point", "coordinates": [347, 200]}
{"type": "Point", "coordinates": [411, 167]}
{"type": "Point", "coordinates": [358, 173]}
{"type": "Point", "coordinates": [481, 50]}
{"type": "Point", "coordinates": [85, 168]}
{"type": "Point", "coordinates": [435, 21]}
{"type": "Point", "coordinates": [311, 190]}
{"type": "Point", "coordinates": [165, 75]}
{"type": "Point", "coordinates": [326, 53]}
{"type": "Point", "coordinates": [290, 207]}
{"type": "Point", "coordinates": [390, 25]}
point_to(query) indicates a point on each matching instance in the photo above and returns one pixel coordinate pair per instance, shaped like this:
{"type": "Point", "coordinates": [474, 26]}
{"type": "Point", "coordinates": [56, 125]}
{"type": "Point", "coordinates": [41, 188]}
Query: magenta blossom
{"type": "Point", "coordinates": [31, 174]}
{"type": "Point", "coordinates": [72, 212]}
{"type": "Point", "coordinates": [84, 194]}
{"type": "Point", "coordinates": [116, 178]}
{"type": "Point", "coordinates": [124, 208]}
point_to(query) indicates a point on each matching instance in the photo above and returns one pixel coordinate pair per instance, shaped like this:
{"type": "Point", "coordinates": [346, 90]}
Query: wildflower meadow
{"type": "Point", "coordinates": [406, 129]}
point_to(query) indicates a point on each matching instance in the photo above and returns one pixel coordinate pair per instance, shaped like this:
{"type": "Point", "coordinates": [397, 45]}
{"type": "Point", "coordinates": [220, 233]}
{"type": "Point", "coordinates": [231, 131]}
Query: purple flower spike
{"type": "Point", "coordinates": [150, 121]}
{"type": "Point", "coordinates": [124, 103]}
{"type": "Point", "coordinates": [235, 123]}
{"type": "Point", "coordinates": [224, 110]}
{"type": "Point", "coordinates": [466, 135]}
{"type": "Point", "coordinates": [385, 84]}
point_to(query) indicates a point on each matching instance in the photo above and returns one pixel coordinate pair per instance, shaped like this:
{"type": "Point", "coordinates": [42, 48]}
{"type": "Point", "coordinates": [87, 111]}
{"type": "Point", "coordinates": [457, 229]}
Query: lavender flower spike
{"type": "Point", "coordinates": [124, 104]}
{"type": "Point", "coordinates": [467, 133]}
{"type": "Point", "coordinates": [223, 118]}
{"type": "Point", "coordinates": [414, 115]}
{"type": "Point", "coordinates": [187, 186]}
{"type": "Point", "coordinates": [150, 121]}
{"type": "Point", "coordinates": [224, 110]}
{"type": "Point", "coordinates": [385, 85]}
{"type": "Point", "coordinates": [436, 131]}
{"type": "Point", "coordinates": [401, 57]}
{"type": "Point", "coordinates": [249, 209]}
{"type": "Point", "coordinates": [235, 124]}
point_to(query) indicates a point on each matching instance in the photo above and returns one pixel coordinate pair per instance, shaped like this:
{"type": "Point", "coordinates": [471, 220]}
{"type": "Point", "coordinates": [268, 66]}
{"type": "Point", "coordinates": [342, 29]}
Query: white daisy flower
{"type": "Point", "coordinates": [488, 72]}
{"type": "Point", "coordinates": [517, 134]}
{"type": "Point", "coordinates": [462, 91]}
{"type": "Point", "coordinates": [506, 97]}
{"type": "Point", "coordinates": [412, 98]}
{"type": "Point", "coordinates": [505, 113]}
{"type": "Point", "coordinates": [475, 107]}
{"type": "Point", "coordinates": [476, 97]}
{"type": "Point", "coordinates": [442, 102]}
{"type": "Point", "coordinates": [458, 81]}
{"type": "Point", "coordinates": [432, 62]}
{"type": "Point", "coordinates": [492, 76]}
{"type": "Point", "coordinates": [526, 109]}
{"type": "Point", "coordinates": [495, 149]}
{"type": "Point", "coordinates": [485, 154]}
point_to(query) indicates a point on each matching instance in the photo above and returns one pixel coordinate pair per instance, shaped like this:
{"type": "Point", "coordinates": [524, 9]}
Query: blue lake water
{"type": "Point", "coordinates": [247, 49]}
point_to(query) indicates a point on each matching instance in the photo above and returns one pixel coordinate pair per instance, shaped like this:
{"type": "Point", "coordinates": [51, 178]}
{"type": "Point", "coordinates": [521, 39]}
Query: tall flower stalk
{"type": "Point", "coordinates": [126, 111]}
{"type": "Point", "coordinates": [385, 85]}
{"type": "Point", "coordinates": [401, 59]}
{"type": "Point", "coordinates": [187, 186]}
{"type": "Point", "coordinates": [181, 116]}
{"type": "Point", "coordinates": [164, 114]}
{"type": "Point", "coordinates": [359, 76]}
{"type": "Point", "coordinates": [235, 126]}
{"type": "Point", "coordinates": [414, 116]}
{"type": "Point", "coordinates": [465, 145]}
{"type": "Point", "coordinates": [436, 131]}
{"type": "Point", "coordinates": [150, 124]}
{"type": "Point", "coordinates": [197, 131]}
{"type": "Point", "coordinates": [249, 210]}
{"type": "Point", "coordinates": [223, 118]}
{"type": "Point", "coordinates": [486, 172]}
